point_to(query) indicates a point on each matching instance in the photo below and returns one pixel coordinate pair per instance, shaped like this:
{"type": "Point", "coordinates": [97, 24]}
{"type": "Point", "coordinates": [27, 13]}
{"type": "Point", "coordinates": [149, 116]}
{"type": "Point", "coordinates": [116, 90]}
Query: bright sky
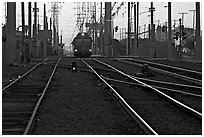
{"type": "Point", "coordinates": [67, 18]}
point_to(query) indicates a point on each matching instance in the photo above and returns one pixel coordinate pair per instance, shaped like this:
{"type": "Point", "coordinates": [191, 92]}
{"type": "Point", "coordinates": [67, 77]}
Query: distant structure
{"type": "Point", "coordinates": [55, 9]}
{"type": "Point", "coordinates": [86, 12]}
{"type": "Point", "coordinates": [86, 21]}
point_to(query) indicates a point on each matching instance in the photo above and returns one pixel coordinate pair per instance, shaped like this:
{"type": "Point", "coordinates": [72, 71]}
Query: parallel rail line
{"type": "Point", "coordinates": [21, 77]}
{"type": "Point", "coordinates": [21, 107]}
{"type": "Point", "coordinates": [157, 87]}
{"type": "Point", "coordinates": [193, 80]}
{"type": "Point", "coordinates": [177, 103]}
{"type": "Point", "coordinates": [143, 124]}
{"type": "Point", "coordinates": [28, 127]}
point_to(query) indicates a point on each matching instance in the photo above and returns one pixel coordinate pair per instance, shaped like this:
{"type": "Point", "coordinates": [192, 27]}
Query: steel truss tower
{"type": "Point", "coordinates": [55, 9]}
{"type": "Point", "coordinates": [85, 15]}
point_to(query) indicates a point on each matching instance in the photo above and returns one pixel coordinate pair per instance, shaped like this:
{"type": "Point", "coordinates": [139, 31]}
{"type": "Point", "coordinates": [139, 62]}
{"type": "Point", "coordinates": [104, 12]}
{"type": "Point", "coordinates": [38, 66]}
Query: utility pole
{"type": "Point", "coordinates": [193, 18]}
{"type": "Point", "coordinates": [152, 9]}
{"type": "Point", "coordinates": [45, 33]}
{"type": "Point", "coordinates": [158, 22]}
{"type": "Point", "coordinates": [50, 23]}
{"type": "Point", "coordinates": [122, 33]}
{"type": "Point", "coordinates": [135, 28]}
{"type": "Point", "coordinates": [35, 29]}
{"type": "Point", "coordinates": [198, 45]}
{"type": "Point", "coordinates": [183, 13]}
{"type": "Point", "coordinates": [144, 30]}
{"type": "Point", "coordinates": [11, 33]}
{"type": "Point", "coordinates": [108, 29]}
{"type": "Point", "coordinates": [137, 43]}
{"type": "Point", "coordinates": [129, 31]}
{"type": "Point", "coordinates": [95, 31]}
{"type": "Point", "coordinates": [174, 24]}
{"type": "Point", "coordinates": [23, 57]}
{"type": "Point", "coordinates": [194, 11]}
{"type": "Point", "coordinates": [29, 49]}
{"type": "Point", "coordinates": [61, 45]}
{"type": "Point", "coordinates": [55, 15]}
{"type": "Point", "coordinates": [152, 30]}
{"type": "Point", "coordinates": [180, 36]}
{"type": "Point", "coordinates": [101, 30]}
{"type": "Point", "coordinates": [169, 31]}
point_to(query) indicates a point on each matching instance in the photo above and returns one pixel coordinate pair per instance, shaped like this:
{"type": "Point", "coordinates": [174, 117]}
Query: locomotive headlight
{"type": "Point", "coordinates": [75, 50]}
{"type": "Point", "coordinates": [90, 50]}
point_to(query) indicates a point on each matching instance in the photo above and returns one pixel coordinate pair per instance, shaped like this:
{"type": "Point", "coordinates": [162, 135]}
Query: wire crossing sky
{"type": "Point", "coordinates": [67, 15]}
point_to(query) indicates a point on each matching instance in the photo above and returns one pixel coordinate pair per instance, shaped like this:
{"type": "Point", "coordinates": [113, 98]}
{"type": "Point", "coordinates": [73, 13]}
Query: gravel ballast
{"type": "Point", "coordinates": [78, 104]}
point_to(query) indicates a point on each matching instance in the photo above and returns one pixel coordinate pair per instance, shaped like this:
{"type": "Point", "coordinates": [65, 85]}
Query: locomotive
{"type": "Point", "coordinates": [82, 44]}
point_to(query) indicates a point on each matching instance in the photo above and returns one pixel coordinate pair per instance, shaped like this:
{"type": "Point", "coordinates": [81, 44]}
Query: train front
{"type": "Point", "coordinates": [82, 45]}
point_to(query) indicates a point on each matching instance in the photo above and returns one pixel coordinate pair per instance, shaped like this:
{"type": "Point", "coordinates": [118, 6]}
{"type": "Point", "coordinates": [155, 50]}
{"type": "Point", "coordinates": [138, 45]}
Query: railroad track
{"type": "Point", "coordinates": [187, 94]}
{"type": "Point", "coordinates": [22, 97]}
{"type": "Point", "coordinates": [157, 112]}
{"type": "Point", "coordinates": [191, 76]}
{"type": "Point", "coordinates": [191, 65]}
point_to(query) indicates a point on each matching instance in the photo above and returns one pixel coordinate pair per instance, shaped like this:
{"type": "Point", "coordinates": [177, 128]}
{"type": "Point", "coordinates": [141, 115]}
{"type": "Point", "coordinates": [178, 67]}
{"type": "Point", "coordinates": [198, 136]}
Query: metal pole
{"type": "Point", "coordinates": [175, 24]}
{"type": "Point", "coordinates": [193, 23]}
{"type": "Point", "coordinates": [180, 31]}
{"type": "Point", "coordinates": [108, 29]}
{"type": "Point", "coordinates": [144, 30]}
{"type": "Point", "coordinates": [50, 23]}
{"type": "Point", "coordinates": [152, 21]}
{"type": "Point", "coordinates": [29, 31]}
{"type": "Point", "coordinates": [95, 31]}
{"type": "Point", "coordinates": [122, 33]}
{"type": "Point", "coordinates": [44, 33]}
{"type": "Point", "coordinates": [129, 32]}
{"type": "Point", "coordinates": [35, 29]}
{"type": "Point", "coordinates": [23, 57]}
{"type": "Point", "coordinates": [198, 42]}
{"type": "Point", "coordinates": [101, 31]}
{"type": "Point", "coordinates": [137, 27]}
{"type": "Point", "coordinates": [193, 18]}
{"type": "Point", "coordinates": [11, 33]}
{"type": "Point", "coordinates": [169, 31]}
{"type": "Point", "coordinates": [182, 13]}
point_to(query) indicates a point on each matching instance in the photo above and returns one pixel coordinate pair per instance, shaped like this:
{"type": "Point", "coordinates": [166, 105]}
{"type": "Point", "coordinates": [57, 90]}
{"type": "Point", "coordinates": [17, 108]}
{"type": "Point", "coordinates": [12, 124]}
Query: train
{"type": "Point", "coordinates": [82, 45]}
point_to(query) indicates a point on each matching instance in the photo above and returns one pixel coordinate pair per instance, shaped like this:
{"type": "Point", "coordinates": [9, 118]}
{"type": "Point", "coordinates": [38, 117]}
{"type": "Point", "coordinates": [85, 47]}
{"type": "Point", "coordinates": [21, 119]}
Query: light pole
{"type": "Point", "coordinates": [169, 31]}
{"type": "Point", "coordinates": [198, 42]}
{"type": "Point", "coordinates": [193, 25]}
{"type": "Point", "coordinates": [183, 16]}
{"type": "Point", "coordinates": [193, 20]}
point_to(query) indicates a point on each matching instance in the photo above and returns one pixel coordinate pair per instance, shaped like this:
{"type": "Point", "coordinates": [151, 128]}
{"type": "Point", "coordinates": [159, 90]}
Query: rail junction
{"type": "Point", "coordinates": [111, 78]}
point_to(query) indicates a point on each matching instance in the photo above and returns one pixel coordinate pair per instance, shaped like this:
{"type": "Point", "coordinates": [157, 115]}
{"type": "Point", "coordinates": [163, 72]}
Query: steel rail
{"type": "Point", "coordinates": [20, 77]}
{"type": "Point", "coordinates": [170, 73]}
{"type": "Point", "coordinates": [155, 81]}
{"type": "Point", "coordinates": [164, 65]}
{"type": "Point", "coordinates": [174, 101]}
{"type": "Point", "coordinates": [172, 90]}
{"type": "Point", "coordinates": [168, 83]}
{"type": "Point", "coordinates": [28, 127]}
{"type": "Point", "coordinates": [143, 124]}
